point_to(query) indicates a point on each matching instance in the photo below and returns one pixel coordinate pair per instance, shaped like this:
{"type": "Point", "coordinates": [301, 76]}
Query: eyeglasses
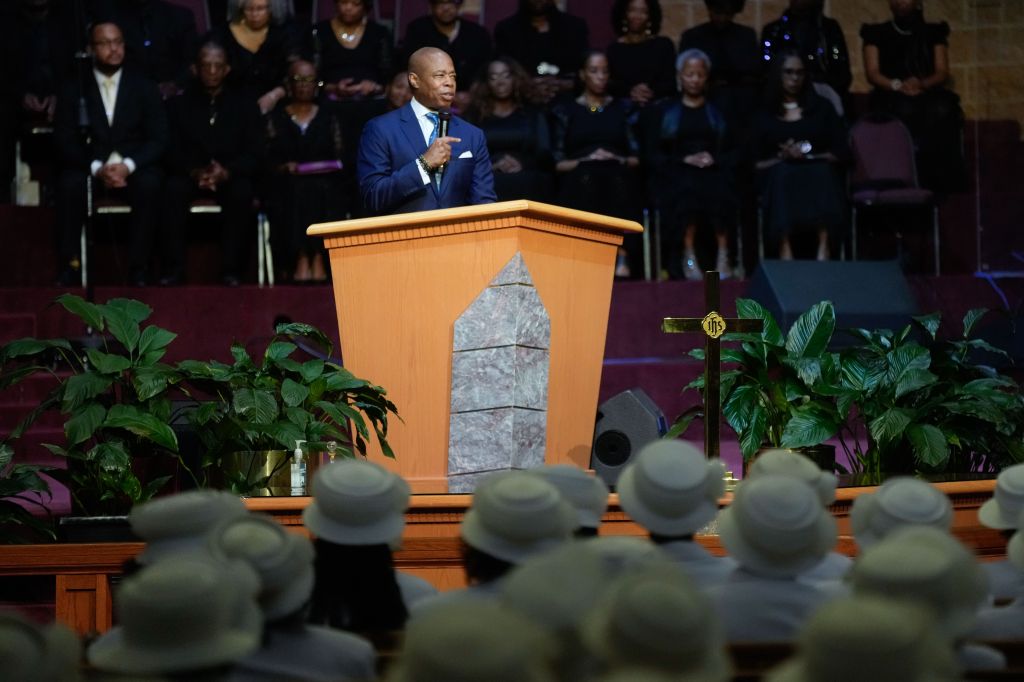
{"type": "Point", "coordinates": [308, 80]}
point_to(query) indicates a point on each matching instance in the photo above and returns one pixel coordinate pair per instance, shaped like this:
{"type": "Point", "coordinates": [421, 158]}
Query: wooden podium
{"type": "Point", "coordinates": [401, 281]}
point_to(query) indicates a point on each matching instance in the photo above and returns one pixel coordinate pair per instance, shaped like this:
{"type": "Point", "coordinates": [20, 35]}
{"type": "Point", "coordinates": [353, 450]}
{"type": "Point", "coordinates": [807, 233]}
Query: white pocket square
{"type": "Point", "coordinates": [466, 155]}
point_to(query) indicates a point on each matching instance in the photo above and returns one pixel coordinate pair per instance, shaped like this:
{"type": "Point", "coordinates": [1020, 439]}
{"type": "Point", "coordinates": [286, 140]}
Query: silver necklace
{"type": "Point", "coordinates": [902, 32]}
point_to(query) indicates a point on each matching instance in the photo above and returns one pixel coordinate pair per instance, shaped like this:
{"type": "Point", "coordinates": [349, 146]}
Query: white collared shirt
{"type": "Point", "coordinates": [426, 127]}
{"type": "Point", "coordinates": [109, 87]}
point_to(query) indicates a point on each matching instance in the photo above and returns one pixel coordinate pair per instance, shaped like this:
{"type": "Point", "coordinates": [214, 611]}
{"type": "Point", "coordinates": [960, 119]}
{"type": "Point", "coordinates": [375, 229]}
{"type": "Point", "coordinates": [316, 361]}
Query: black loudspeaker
{"type": "Point", "coordinates": [625, 423]}
{"type": "Point", "coordinates": [868, 294]}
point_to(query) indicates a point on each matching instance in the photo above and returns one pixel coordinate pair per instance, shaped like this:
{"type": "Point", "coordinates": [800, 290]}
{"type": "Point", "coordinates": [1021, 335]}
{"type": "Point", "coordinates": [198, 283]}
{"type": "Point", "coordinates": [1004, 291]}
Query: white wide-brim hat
{"type": "Point", "coordinates": [671, 488]}
{"type": "Point", "coordinates": [356, 502]}
{"type": "Point", "coordinates": [926, 566]}
{"type": "Point", "coordinates": [177, 524]}
{"type": "Point", "coordinates": [587, 494]}
{"type": "Point", "coordinates": [657, 618]}
{"type": "Point", "coordinates": [776, 526]}
{"type": "Point", "coordinates": [181, 615]}
{"type": "Point", "coordinates": [470, 641]}
{"type": "Point", "coordinates": [868, 638]}
{"type": "Point", "coordinates": [790, 463]}
{"type": "Point", "coordinates": [1015, 547]}
{"type": "Point", "coordinates": [1007, 502]}
{"type": "Point", "coordinates": [515, 515]}
{"type": "Point", "coordinates": [33, 652]}
{"type": "Point", "coordinates": [902, 501]}
{"type": "Point", "coordinates": [283, 560]}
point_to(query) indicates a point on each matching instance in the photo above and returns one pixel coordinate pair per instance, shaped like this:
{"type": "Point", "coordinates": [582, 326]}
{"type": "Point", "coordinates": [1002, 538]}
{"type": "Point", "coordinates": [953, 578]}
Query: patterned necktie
{"type": "Point", "coordinates": [436, 120]}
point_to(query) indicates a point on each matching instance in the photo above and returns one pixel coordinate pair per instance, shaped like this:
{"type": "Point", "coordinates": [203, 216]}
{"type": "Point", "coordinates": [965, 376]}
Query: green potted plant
{"type": "Point", "coordinates": [258, 412]}
{"type": "Point", "coordinates": [115, 398]}
{"type": "Point", "coordinates": [768, 395]}
{"type": "Point", "coordinates": [910, 406]}
{"type": "Point", "coordinates": [22, 488]}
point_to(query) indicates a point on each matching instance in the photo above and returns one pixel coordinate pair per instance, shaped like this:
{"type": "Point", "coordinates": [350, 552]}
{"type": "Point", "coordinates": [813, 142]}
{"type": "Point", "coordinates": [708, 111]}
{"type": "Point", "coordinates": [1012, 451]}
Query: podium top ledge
{"type": "Point", "coordinates": [468, 214]}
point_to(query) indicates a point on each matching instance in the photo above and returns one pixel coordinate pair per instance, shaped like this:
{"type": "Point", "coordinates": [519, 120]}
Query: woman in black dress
{"type": "Point", "coordinates": [907, 60]}
{"type": "Point", "coordinates": [518, 137]}
{"type": "Point", "coordinates": [691, 162]}
{"type": "Point", "coordinates": [304, 147]}
{"type": "Point", "coordinates": [640, 60]}
{"type": "Point", "coordinates": [354, 54]}
{"type": "Point", "coordinates": [261, 41]}
{"type": "Point", "coordinates": [595, 152]}
{"type": "Point", "coordinates": [799, 141]}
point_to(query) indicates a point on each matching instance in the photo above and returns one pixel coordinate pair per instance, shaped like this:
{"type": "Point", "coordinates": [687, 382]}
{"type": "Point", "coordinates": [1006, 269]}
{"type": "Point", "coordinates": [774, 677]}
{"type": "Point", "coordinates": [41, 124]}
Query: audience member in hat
{"type": "Point", "coordinates": [930, 568]}
{"type": "Point", "coordinates": [557, 590]}
{"type": "Point", "coordinates": [1005, 622]}
{"type": "Point", "coordinates": [867, 638]}
{"type": "Point", "coordinates": [514, 515]}
{"type": "Point", "coordinates": [657, 619]}
{"type": "Point", "coordinates": [357, 516]}
{"type": "Point", "coordinates": [290, 648]}
{"type": "Point", "coordinates": [622, 554]}
{"type": "Point", "coordinates": [828, 573]}
{"type": "Point", "coordinates": [587, 494]}
{"type": "Point", "coordinates": [30, 652]}
{"type": "Point", "coordinates": [177, 524]}
{"type": "Point", "coordinates": [776, 529]}
{"type": "Point", "coordinates": [1000, 513]}
{"type": "Point", "coordinates": [898, 502]}
{"type": "Point", "coordinates": [672, 491]}
{"type": "Point", "coordinates": [471, 641]}
{"type": "Point", "coordinates": [187, 619]}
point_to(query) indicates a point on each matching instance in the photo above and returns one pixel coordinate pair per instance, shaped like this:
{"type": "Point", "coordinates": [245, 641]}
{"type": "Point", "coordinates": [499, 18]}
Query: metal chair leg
{"type": "Point", "coordinates": [647, 245]}
{"type": "Point", "coordinates": [935, 237]}
{"type": "Point", "coordinates": [657, 244]}
{"type": "Point", "coordinates": [260, 253]}
{"type": "Point", "coordinates": [853, 233]}
{"type": "Point", "coordinates": [760, 234]}
{"type": "Point", "coordinates": [269, 257]}
{"type": "Point", "coordinates": [739, 272]}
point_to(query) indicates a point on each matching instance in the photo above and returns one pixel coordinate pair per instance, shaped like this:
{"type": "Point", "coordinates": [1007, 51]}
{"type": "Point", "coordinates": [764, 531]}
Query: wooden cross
{"type": "Point", "coordinates": [713, 325]}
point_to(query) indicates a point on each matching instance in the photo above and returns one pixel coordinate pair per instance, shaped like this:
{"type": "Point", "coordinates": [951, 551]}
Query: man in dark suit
{"type": "Point", "coordinates": [467, 43]}
{"type": "Point", "coordinates": [405, 163]}
{"type": "Point", "coordinates": [216, 148]}
{"type": "Point", "coordinates": [119, 146]}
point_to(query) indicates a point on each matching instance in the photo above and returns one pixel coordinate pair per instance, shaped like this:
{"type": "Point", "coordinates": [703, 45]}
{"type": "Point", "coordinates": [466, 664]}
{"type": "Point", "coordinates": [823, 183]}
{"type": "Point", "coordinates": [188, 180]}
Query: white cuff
{"type": "Point", "coordinates": [423, 174]}
{"type": "Point", "coordinates": [131, 165]}
{"type": "Point", "coordinates": [94, 167]}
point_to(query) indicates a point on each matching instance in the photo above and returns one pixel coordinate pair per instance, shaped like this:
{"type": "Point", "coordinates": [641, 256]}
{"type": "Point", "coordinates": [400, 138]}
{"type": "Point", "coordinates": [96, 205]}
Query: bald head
{"type": "Point", "coordinates": [432, 77]}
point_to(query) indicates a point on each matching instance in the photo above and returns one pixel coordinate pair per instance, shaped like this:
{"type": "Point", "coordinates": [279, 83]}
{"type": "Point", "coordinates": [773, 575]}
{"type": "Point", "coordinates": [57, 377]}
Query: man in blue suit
{"type": "Point", "coordinates": [405, 164]}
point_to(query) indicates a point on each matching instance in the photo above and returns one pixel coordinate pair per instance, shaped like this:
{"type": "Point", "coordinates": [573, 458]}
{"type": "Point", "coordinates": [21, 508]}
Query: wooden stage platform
{"type": "Point", "coordinates": [83, 573]}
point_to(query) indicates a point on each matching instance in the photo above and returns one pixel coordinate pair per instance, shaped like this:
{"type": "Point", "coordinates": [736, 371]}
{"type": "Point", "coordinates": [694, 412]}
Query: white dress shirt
{"type": "Point", "coordinates": [427, 127]}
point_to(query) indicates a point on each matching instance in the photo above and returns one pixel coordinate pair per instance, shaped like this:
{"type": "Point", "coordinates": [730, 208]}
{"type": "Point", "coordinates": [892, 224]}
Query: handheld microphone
{"type": "Point", "coordinates": [445, 117]}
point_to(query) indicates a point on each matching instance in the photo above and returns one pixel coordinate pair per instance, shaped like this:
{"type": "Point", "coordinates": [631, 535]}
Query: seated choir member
{"type": "Point", "coordinates": [518, 136]}
{"type": "Point", "coordinates": [587, 494]}
{"type": "Point", "coordinates": [216, 149]}
{"type": "Point", "coordinates": [127, 130]}
{"type": "Point", "coordinates": [798, 141]}
{"type": "Point", "coordinates": [640, 60]}
{"type": "Point", "coordinates": [305, 148]}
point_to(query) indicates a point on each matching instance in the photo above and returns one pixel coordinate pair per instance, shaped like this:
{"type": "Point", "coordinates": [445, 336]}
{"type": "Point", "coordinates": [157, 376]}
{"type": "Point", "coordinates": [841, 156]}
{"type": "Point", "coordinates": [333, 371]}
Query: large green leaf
{"type": "Point", "coordinates": [122, 325]}
{"type": "Point", "coordinates": [914, 380]}
{"type": "Point", "coordinates": [293, 393]}
{"type": "Point", "coordinates": [810, 334]}
{"type": "Point", "coordinates": [141, 424]}
{"type": "Point", "coordinates": [808, 369]}
{"type": "Point", "coordinates": [83, 423]}
{"type": "Point", "coordinates": [136, 311]}
{"type": "Point", "coordinates": [340, 379]}
{"type": "Point", "coordinates": [154, 339]}
{"type": "Point", "coordinates": [240, 355]}
{"type": "Point", "coordinates": [971, 318]}
{"type": "Point", "coordinates": [23, 347]}
{"type": "Point", "coordinates": [6, 455]}
{"type": "Point", "coordinates": [256, 406]}
{"type": "Point", "coordinates": [298, 416]}
{"type": "Point", "coordinates": [111, 457]}
{"type": "Point", "coordinates": [106, 363]}
{"type": "Point", "coordinates": [279, 350]}
{"type": "Point", "coordinates": [286, 434]}
{"type": "Point", "coordinates": [311, 369]}
{"type": "Point", "coordinates": [90, 313]}
{"type": "Point", "coordinates": [771, 334]}
{"type": "Point", "coordinates": [151, 381]}
{"type": "Point", "coordinates": [904, 359]}
{"type": "Point", "coordinates": [307, 331]}
{"type": "Point", "coordinates": [930, 446]}
{"type": "Point", "coordinates": [740, 404]}
{"type": "Point", "coordinates": [888, 427]}
{"type": "Point", "coordinates": [290, 365]}
{"type": "Point", "coordinates": [752, 437]}
{"type": "Point", "coordinates": [82, 387]}
{"type": "Point", "coordinates": [808, 427]}
{"type": "Point", "coordinates": [930, 323]}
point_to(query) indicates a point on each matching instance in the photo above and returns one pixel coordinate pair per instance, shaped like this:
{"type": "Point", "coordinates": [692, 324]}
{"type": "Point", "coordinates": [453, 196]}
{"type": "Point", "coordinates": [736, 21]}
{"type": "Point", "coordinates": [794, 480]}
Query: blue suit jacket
{"type": "Point", "coordinates": [389, 177]}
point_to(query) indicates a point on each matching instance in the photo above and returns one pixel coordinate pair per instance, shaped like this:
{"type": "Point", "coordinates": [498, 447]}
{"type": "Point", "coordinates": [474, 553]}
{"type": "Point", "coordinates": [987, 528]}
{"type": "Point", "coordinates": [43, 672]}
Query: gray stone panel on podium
{"type": "Point", "coordinates": [503, 316]}
{"type": "Point", "coordinates": [514, 272]}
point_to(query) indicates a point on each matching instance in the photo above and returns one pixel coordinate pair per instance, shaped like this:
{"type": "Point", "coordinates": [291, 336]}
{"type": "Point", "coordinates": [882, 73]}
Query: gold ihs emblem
{"type": "Point", "coordinates": [713, 325]}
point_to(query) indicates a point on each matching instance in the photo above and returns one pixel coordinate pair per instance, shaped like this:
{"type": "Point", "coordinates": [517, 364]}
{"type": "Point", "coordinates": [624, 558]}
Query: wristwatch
{"type": "Point", "coordinates": [896, 84]}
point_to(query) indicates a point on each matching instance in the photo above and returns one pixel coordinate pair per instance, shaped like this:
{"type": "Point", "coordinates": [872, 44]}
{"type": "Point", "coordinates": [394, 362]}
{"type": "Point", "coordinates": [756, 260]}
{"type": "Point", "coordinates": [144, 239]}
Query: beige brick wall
{"type": "Point", "coordinates": [986, 43]}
